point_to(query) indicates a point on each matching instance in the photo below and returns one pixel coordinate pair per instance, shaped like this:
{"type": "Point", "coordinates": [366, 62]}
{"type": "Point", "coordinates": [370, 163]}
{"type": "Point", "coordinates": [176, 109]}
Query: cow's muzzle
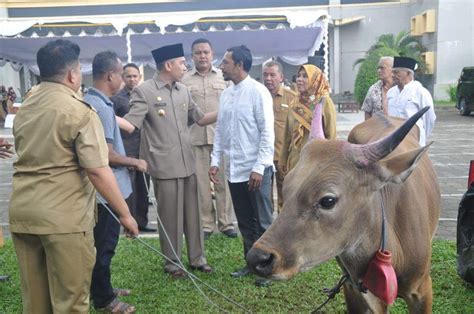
{"type": "Point", "coordinates": [260, 262]}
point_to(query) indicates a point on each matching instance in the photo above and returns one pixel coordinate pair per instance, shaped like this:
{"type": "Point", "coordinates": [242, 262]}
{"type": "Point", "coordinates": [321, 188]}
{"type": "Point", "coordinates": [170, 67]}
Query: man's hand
{"type": "Point", "coordinates": [255, 181]}
{"type": "Point", "coordinates": [5, 151]}
{"type": "Point", "coordinates": [105, 183]}
{"type": "Point", "coordinates": [208, 118]}
{"type": "Point", "coordinates": [130, 226]}
{"type": "Point", "coordinates": [213, 174]}
{"type": "Point", "coordinates": [141, 165]}
{"type": "Point", "coordinates": [125, 125]}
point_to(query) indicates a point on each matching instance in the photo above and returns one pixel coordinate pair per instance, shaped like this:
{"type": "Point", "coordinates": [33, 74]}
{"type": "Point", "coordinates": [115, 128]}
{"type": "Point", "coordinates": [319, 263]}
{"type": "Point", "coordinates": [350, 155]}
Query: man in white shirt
{"type": "Point", "coordinates": [244, 135]}
{"type": "Point", "coordinates": [408, 96]}
{"type": "Point", "coordinates": [206, 84]}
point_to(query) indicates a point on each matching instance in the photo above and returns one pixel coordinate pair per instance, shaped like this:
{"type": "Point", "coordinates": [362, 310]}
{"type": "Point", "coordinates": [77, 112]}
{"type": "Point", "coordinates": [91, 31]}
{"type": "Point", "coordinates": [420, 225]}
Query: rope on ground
{"type": "Point", "coordinates": [179, 264]}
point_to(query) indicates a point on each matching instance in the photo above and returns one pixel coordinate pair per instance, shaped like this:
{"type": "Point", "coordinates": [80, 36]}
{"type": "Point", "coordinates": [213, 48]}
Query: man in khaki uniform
{"type": "Point", "coordinates": [162, 108]}
{"type": "Point", "coordinates": [282, 98]}
{"type": "Point", "coordinates": [138, 200]}
{"type": "Point", "coordinates": [205, 82]}
{"type": "Point", "coordinates": [62, 156]}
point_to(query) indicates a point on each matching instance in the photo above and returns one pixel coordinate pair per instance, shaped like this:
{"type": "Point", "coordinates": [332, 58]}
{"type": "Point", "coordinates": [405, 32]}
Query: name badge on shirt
{"type": "Point", "coordinates": [161, 104]}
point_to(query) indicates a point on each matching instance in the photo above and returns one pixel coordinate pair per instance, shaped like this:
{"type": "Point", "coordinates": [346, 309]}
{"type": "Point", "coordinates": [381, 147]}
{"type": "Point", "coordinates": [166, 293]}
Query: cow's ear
{"type": "Point", "coordinates": [398, 168]}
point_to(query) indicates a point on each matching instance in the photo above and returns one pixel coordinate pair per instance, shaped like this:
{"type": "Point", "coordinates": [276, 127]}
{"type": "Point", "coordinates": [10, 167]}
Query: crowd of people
{"type": "Point", "coordinates": [191, 134]}
{"type": "Point", "coordinates": [7, 99]}
{"type": "Point", "coordinates": [397, 94]}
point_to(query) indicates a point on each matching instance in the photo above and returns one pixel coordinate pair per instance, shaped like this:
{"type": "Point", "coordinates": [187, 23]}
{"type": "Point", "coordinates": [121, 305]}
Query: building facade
{"type": "Point", "coordinates": [445, 28]}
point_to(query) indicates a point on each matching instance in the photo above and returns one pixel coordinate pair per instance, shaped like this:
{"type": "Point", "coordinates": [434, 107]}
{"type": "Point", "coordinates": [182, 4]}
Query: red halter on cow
{"type": "Point", "coordinates": [333, 208]}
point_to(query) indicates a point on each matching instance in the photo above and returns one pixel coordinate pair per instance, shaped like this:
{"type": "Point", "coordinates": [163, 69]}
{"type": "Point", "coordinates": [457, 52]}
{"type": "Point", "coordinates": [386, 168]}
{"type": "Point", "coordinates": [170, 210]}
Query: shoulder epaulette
{"type": "Point", "coordinates": [85, 103]}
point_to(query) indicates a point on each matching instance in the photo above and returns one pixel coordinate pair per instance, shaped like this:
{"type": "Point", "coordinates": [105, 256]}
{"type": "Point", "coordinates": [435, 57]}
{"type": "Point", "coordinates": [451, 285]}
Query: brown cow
{"type": "Point", "coordinates": [332, 209]}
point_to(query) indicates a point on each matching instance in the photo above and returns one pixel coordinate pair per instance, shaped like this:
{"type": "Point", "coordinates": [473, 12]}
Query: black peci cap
{"type": "Point", "coordinates": [168, 52]}
{"type": "Point", "coordinates": [404, 62]}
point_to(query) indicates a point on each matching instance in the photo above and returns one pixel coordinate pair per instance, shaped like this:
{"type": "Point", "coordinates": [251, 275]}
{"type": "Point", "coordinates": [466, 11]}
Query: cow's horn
{"type": "Point", "coordinates": [368, 153]}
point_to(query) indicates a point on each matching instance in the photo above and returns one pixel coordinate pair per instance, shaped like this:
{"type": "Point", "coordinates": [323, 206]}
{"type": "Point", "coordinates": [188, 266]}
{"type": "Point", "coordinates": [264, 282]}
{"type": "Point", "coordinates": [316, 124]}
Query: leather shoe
{"type": "Point", "coordinates": [262, 282]}
{"type": "Point", "coordinates": [202, 268]}
{"type": "Point", "coordinates": [240, 273]}
{"type": "Point", "coordinates": [207, 234]}
{"type": "Point", "coordinates": [146, 229]}
{"type": "Point", "coordinates": [177, 273]}
{"type": "Point", "coordinates": [230, 233]}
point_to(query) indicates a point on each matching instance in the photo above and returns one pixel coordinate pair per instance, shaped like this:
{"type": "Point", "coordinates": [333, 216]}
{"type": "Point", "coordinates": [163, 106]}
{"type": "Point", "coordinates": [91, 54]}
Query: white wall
{"type": "Point", "coordinates": [455, 29]}
{"type": "Point", "coordinates": [356, 38]}
{"type": "Point", "coordinates": [453, 41]}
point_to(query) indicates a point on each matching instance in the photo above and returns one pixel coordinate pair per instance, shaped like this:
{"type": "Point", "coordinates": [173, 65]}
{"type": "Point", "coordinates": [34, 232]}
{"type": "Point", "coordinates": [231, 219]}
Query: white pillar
{"type": "Point", "coordinates": [336, 55]}
{"type": "Point", "coordinates": [129, 46]}
{"type": "Point", "coordinates": [26, 78]}
{"type": "Point", "coordinates": [326, 47]}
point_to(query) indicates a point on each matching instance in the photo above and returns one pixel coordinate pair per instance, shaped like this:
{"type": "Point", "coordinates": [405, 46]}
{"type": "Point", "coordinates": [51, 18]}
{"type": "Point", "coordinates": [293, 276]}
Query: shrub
{"type": "Point", "coordinates": [367, 74]}
{"type": "Point", "coordinates": [452, 93]}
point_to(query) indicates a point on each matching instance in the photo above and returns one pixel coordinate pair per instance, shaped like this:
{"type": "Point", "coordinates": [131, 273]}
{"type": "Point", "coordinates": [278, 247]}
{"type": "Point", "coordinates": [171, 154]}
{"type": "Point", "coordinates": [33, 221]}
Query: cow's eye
{"type": "Point", "coordinates": [327, 202]}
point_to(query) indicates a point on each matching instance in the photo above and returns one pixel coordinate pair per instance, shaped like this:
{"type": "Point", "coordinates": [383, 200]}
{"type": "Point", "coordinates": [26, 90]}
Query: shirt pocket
{"type": "Point", "coordinates": [161, 109]}
{"type": "Point", "coordinates": [281, 112]}
{"type": "Point", "coordinates": [160, 149]}
{"type": "Point", "coordinates": [217, 89]}
{"type": "Point", "coordinates": [196, 92]}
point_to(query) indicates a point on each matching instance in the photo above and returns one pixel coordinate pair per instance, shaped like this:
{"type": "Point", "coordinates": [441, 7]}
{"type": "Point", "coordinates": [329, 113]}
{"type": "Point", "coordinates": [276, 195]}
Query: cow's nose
{"type": "Point", "coordinates": [260, 262]}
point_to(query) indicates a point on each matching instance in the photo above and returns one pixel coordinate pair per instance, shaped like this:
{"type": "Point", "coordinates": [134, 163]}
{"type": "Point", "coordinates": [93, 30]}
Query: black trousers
{"type": "Point", "coordinates": [106, 235]}
{"type": "Point", "coordinates": [253, 209]}
{"type": "Point", "coordinates": [138, 201]}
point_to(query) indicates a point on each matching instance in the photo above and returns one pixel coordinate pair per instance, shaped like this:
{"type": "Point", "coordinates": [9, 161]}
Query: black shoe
{"type": "Point", "coordinates": [207, 234]}
{"type": "Point", "coordinates": [3, 278]}
{"type": "Point", "coordinates": [146, 229]}
{"type": "Point", "coordinates": [177, 273]}
{"type": "Point", "coordinates": [203, 268]}
{"type": "Point", "coordinates": [241, 272]}
{"type": "Point", "coordinates": [262, 282]}
{"type": "Point", "coordinates": [230, 233]}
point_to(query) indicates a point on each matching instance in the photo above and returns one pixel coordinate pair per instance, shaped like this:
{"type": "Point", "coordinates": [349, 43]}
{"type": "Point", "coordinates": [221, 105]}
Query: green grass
{"type": "Point", "coordinates": [137, 268]}
{"type": "Point", "coordinates": [444, 103]}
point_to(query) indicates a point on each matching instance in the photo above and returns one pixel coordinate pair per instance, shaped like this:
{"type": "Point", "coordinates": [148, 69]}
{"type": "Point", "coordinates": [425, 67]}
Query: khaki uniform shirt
{"type": "Point", "coordinates": [281, 106]}
{"type": "Point", "coordinates": [57, 135]}
{"type": "Point", "coordinates": [164, 116]}
{"type": "Point", "coordinates": [206, 91]}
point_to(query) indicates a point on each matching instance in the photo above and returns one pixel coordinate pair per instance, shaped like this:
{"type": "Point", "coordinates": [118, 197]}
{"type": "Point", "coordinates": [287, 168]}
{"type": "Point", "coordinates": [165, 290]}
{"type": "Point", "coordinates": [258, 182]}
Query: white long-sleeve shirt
{"type": "Point", "coordinates": [410, 100]}
{"type": "Point", "coordinates": [244, 133]}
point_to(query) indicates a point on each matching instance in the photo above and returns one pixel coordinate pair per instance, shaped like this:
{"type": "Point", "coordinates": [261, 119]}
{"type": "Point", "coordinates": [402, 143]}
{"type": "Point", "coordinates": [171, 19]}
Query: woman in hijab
{"type": "Point", "coordinates": [312, 115]}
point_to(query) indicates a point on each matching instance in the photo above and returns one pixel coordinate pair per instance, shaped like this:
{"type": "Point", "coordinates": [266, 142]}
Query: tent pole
{"type": "Point", "coordinates": [129, 46]}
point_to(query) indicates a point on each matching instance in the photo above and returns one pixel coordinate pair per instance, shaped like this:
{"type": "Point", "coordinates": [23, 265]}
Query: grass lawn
{"type": "Point", "coordinates": [444, 104]}
{"type": "Point", "coordinates": [137, 268]}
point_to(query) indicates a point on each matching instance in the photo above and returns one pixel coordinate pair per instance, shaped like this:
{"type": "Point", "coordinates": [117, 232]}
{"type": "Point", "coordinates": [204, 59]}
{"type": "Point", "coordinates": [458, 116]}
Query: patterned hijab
{"type": "Point", "coordinates": [318, 85]}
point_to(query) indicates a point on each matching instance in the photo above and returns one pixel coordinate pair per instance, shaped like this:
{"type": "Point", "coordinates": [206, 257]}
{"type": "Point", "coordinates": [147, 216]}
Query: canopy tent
{"type": "Point", "coordinates": [292, 34]}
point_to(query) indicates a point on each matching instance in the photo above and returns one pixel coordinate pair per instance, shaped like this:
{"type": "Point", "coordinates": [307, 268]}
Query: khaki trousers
{"type": "Point", "coordinates": [279, 185]}
{"type": "Point", "coordinates": [223, 209]}
{"type": "Point", "coordinates": [179, 213]}
{"type": "Point", "coordinates": [55, 271]}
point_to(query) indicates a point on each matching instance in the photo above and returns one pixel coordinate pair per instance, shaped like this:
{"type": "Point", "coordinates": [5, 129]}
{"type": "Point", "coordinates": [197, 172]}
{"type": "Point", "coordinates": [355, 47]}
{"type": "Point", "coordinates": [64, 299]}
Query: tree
{"type": "Point", "coordinates": [402, 44]}
{"type": "Point", "coordinates": [367, 74]}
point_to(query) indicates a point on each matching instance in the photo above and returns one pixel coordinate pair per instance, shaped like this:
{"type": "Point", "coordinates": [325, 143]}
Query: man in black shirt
{"type": "Point", "coordinates": [138, 200]}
